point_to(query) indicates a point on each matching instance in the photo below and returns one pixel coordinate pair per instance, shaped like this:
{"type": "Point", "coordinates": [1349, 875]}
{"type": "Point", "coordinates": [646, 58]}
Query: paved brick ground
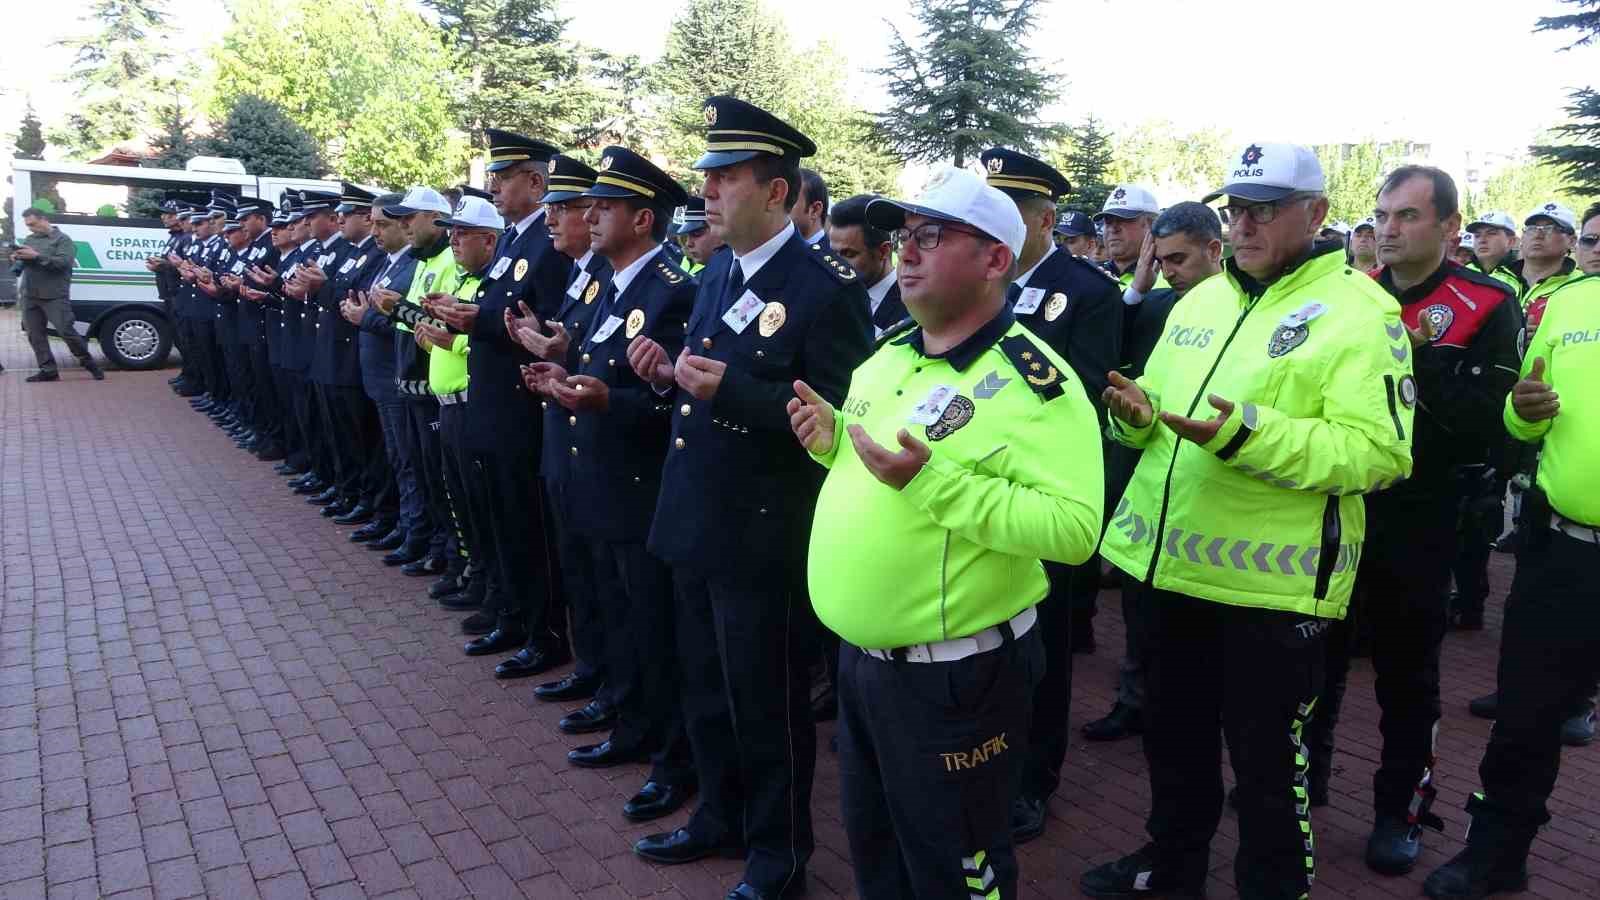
{"type": "Point", "coordinates": [205, 689]}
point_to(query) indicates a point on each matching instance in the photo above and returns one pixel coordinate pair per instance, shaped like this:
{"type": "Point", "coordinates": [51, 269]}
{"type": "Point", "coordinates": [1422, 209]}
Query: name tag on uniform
{"type": "Point", "coordinates": [324, 259]}
{"type": "Point", "coordinates": [500, 266]}
{"type": "Point", "coordinates": [292, 269]}
{"type": "Point", "coordinates": [348, 265]}
{"type": "Point", "coordinates": [1029, 301]}
{"type": "Point", "coordinates": [606, 329]}
{"type": "Point", "coordinates": [744, 312]}
{"type": "Point", "coordinates": [931, 408]}
{"type": "Point", "coordinates": [238, 266]}
{"type": "Point", "coordinates": [383, 282]}
{"type": "Point", "coordinates": [578, 284]}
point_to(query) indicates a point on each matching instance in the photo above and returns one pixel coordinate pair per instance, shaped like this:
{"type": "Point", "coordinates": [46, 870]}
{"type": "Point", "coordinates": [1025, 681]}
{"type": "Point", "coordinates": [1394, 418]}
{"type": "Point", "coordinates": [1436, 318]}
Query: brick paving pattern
{"type": "Point", "coordinates": [205, 689]}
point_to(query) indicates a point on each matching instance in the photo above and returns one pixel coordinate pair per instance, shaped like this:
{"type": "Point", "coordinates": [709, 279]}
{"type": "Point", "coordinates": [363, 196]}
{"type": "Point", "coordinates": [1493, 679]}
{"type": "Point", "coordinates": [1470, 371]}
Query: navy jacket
{"type": "Point", "coordinates": [377, 338]}
{"type": "Point", "coordinates": [576, 315]}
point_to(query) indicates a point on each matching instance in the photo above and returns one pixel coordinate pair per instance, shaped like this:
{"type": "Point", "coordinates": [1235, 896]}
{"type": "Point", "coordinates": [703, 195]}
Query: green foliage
{"type": "Point", "coordinates": [742, 48]}
{"type": "Point", "coordinates": [1087, 159]}
{"type": "Point", "coordinates": [172, 145]}
{"type": "Point", "coordinates": [516, 73]}
{"type": "Point", "coordinates": [113, 73]}
{"type": "Point", "coordinates": [30, 136]}
{"type": "Point", "coordinates": [1177, 165]}
{"type": "Point", "coordinates": [259, 134]}
{"type": "Point", "coordinates": [1576, 156]}
{"type": "Point", "coordinates": [1586, 21]}
{"type": "Point", "coordinates": [368, 79]}
{"type": "Point", "coordinates": [1353, 173]}
{"type": "Point", "coordinates": [1521, 187]}
{"type": "Point", "coordinates": [966, 84]}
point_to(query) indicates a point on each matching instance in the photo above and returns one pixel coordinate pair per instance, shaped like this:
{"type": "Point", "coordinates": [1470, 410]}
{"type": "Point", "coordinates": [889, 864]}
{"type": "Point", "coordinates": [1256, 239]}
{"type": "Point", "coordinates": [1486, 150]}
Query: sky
{"type": "Point", "coordinates": [1457, 72]}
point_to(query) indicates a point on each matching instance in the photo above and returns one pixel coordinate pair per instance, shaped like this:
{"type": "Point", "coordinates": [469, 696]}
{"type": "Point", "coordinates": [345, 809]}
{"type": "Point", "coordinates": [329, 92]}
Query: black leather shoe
{"type": "Point", "coordinates": [1393, 846]}
{"type": "Point", "coordinates": [1137, 873]}
{"type": "Point", "coordinates": [340, 507]}
{"type": "Point", "coordinates": [567, 689]}
{"type": "Point", "coordinates": [270, 453]}
{"type": "Point", "coordinates": [95, 372]}
{"type": "Point", "coordinates": [1578, 731]}
{"type": "Point", "coordinates": [497, 641]}
{"type": "Point", "coordinates": [421, 568]}
{"type": "Point", "coordinates": [478, 623]}
{"type": "Point", "coordinates": [330, 494]}
{"type": "Point", "coordinates": [287, 470]}
{"type": "Point", "coordinates": [1485, 707]}
{"type": "Point", "coordinates": [394, 540]}
{"type": "Point", "coordinates": [1122, 721]}
{"type": "Point", "coordinates": [463, 600]}
{"type": "Point", "coordinates": [744, 890]}
{"type": "Point", "coordinates": [371, 531]}
{"type": "Point", "coordinates": [190, 392]}
{"type": "Point", "coordinates": [358, 515]}
{"type": "Point", "coordinates": [38, 377]}
{"type": "Point", "coordinates": [448, 583]}
{"type": "Point", "coordinates": [313, 487]}
{"type": "Point", "coordinates": [604, 755]}
{"type": "Point", "coordinates": [594, 716]}
{"type": "Point", "coordinates": [1027, 819]}
{"type": "Point", "coordinates": [656, 800]}
{"type": "Point", "coordinates": [532, 660]}
{"type": "Point", "coordinates": [407, 555]}
{"type": "Point", "coordinates": [675, 848]}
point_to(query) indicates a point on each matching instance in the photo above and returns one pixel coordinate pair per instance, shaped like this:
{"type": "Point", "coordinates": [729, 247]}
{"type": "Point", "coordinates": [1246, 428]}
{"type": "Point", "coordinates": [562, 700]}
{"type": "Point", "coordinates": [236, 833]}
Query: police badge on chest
{"type": "Point", "coordinates": [1293, 329]}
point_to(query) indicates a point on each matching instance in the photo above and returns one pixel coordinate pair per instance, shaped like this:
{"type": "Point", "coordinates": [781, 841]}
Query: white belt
{"type": "Point", "coordinates": [1576, 530]}
{"type": "Point", "coordinates": [457, 397]}
{"type": "Point", "coordinates": [990, 638]}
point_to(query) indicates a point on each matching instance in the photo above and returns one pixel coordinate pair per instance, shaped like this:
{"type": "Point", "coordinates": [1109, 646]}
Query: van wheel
{"type": "Point", "coordinates": [134, 339]}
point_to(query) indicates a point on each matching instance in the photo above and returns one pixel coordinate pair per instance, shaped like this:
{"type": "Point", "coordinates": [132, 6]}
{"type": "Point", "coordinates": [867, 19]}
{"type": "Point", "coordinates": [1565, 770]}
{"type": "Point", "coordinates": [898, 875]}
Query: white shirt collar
{"type": "Point", "coordinates": [752, 262]}
{"type": "Point", "coordinates": [1022, 280]}
{"type": "Point", "coordinates": [583, 262]}
{"type": "Point", "coordinates": [309, 244]}
{"type": "Point", "coordinates": [817, 238]}
{"type": "Point", "coordinates": [877, 292]}
{"type": "Point", "coordinates": [529, 220]}
{"type": "Point", "coordinates": [625, 277]}
{"type": "Point", "coordinates": [398, 254]}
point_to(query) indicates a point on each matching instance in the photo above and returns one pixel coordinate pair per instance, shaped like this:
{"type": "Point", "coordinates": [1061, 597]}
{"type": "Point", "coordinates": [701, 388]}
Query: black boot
{"type": "Point", "coordinates": [1495, 859]}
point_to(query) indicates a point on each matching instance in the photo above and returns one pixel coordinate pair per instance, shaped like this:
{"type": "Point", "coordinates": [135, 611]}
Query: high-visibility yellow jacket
{"type": "Point", "coordinates": [1268, 514]}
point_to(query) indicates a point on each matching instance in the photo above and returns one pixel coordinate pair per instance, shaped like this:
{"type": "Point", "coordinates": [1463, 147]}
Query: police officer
{"type": "Point", "coordinates": [503, 425]}
{"type": "Point", "coordinates": [699, 242]}
{"type": "Point", "coordinates": [1280, 393]}
{"type": "Point", "coordinates": [619, 442]}
{"type": "Point", "coordinates": [1464, 328]}
{"type": "Point", "coordinates": [167, 278]}
{"type": "Point", "coordinates": [1363, 245]}
{"type": "Point", "coordinates": [267, 427]}
{"type": "Point", "coordinates": [1548, 236]}
{"type": "Point", "coordinates": [1550, 649]}
{"type": "Point", "coordinates": [1075, 233]}
{"type": "Point", "coordinates": [217, 400]}
{"type": "Point", "coordinates": [326, 251]}
{"type": "Point", "coordinates": [1494, 238]}
{"type": "Point", "coordinates": [868, 250]}
{"type": "Point", "coordinates": [259, 286]}
{"type": "Point", "coordinates": [237, 324]}
{"type": "Point", "coordinates": [737, 495]}
{"type": "Point", "coordinates": [1125, 219]}
{"type": "Point", "coordinates": [1075, 307]}
{"type": "Point", "coordinates": [589, 589]}
{"type": "Point", "coordinates": [810, 213]}
{"type": "Point", "coordinates": [940, 647]}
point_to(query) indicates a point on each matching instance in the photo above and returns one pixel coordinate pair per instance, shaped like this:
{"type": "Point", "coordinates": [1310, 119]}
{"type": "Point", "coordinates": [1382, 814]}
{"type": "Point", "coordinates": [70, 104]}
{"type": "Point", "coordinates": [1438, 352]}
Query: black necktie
{"type": "Point", "coordinates": [735, 287]}
{"type": "Point", "coordinates": [1013, 293]}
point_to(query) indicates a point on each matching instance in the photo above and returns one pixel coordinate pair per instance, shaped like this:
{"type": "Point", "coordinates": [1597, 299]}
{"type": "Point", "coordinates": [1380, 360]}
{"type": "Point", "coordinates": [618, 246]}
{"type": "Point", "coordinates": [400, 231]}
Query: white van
{"type": "Point", "coordinates": [114, 296]}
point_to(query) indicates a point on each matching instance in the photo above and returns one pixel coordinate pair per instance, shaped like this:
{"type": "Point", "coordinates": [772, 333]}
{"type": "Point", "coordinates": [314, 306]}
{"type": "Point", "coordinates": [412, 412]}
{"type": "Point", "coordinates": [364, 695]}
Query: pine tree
{"type": "Point", "coordinates": [1577, 157]}
{"type": "Point", "coordinates": [1086, 160]}
{"type": "Point", "coordinates": [258, 134]}
{"type": "Point", "coordinates": [30, 136]}
{"type": "Point", "coordinates": [113, 72]}
{"type": "Point", "coordinates": [967, 84]}
{"type": "Point", "coordinates": [171, 146]}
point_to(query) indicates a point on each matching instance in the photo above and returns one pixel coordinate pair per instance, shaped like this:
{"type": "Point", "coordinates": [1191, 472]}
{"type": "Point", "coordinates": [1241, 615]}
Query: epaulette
{"type": "Point", "coordinates": [1090, 264]}
{"type": "Point", "coordinates": [669, 273]}
{"type": "Point", "coordinates": [893, 331]}
{"type": "Point", "coordinates": [1034, 365]}
{"type": "Point", "coordinates": [825, 258]}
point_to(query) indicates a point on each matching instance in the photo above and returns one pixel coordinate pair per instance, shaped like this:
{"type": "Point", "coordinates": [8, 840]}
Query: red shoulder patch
{"type": "Point", "coordinates": [1456, 310]}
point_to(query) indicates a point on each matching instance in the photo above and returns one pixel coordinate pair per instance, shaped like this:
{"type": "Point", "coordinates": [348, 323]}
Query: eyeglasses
{"type": "Point", "coordinates": [928, 234]}
{"type": "Point", "coordinates": [1543, 229]}
{"type": "Point", "coordinates": [1260, 213]}
{"type": "Point", "coordinates": [1588, 241]}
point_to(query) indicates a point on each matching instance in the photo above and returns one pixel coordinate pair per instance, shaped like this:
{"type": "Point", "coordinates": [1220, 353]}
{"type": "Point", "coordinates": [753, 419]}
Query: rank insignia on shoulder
{"type": "Point", "coordinates": [669, 272]}
{"type": "Point", "coordinates": [840, 269]}
{"type": "Point", "coordinates": [1287, 337]}
{"type": "Point", "coordinates": [954, 417]}
{"type": "Point", "coordinates": [1034, 366]}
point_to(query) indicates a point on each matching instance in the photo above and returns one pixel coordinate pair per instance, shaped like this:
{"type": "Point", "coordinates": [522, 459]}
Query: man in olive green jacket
{"type": "Point", "coordinates": [47, 256]}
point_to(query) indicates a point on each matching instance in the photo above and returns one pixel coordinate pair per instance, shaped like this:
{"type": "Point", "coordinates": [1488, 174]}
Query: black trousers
{"type": "Point", "coordinates": [1252, 676]}
{"type": "Point", "coordinates": [268, 421]}
{"type": "Point", "coordinates": [747, 711]}
{"type": "Point", "coordinates": [1402, 588]}
{"type": "Point", "coordinates": [587, 586]}
{"type": "Point", "coordinates": [427, 462]}
{"type": "Point", "coordinates": [1549, 660]}
{"type": "Point", "coordinates": [307, 412]}
{"type": "Point", "coordinates": [1482, 517]}
{"type": "Point", "coordinates": [521, 544]}
{"type": "Point", "coordinates": [210, 362]}
{"type": "Point", "coordinates": [189, 356]}
{"type": "Point", "coordinates": [242, 377]}
{"type": "Point", "coordinates": [289, 384]}
{"type": "Point", "coordinates": [641, 658]}
{"type": "Point", "coordinates": [467, 504]}
{"type": "Point", "coordinates": [1052, 695]}
{"type": "Point", "coordinates": [379, 492]}
{"type": "Point", "coordinates": [928, 766]}
{"type": "Point", "coordinates": [341, 409]}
